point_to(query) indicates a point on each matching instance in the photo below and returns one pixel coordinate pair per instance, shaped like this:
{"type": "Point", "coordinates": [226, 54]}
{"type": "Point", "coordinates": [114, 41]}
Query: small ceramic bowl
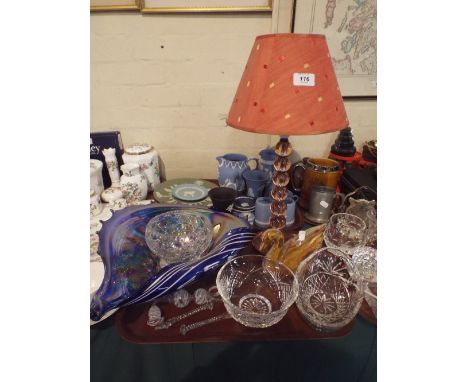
{"type": "Point", "coordinates": [222, 197]}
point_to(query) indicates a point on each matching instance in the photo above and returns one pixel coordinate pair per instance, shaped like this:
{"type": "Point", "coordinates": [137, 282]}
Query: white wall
{"type": "Point", "coordinates": [169, 80]}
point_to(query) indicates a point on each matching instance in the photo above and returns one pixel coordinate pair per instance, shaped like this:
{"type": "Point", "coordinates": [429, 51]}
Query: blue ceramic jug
{"type": "Point", "coordinates": [267, 160]}
{"type": "Point", "coordinates": [230, 169]}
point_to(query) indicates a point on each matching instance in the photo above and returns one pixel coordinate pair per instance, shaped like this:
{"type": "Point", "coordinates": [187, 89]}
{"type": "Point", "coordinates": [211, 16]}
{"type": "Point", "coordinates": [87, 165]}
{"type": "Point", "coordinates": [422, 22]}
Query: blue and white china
{"type": "Point", "coordinates": [256, 181]}
{"type": "Point", "coordinates": [189, 192]}
{"type": "Point", "coordinates": [244, 208]}
{"type": "Point", "coordinates": [263, 212]}
{"type": "Point", "coordinates": [163, 193]}
{"type": "Point", "coordinates": [132, 273]}
{"type": "Point", "coordinates": [230, 169]}
{"type": "Point", "coordinates": [267, 160]}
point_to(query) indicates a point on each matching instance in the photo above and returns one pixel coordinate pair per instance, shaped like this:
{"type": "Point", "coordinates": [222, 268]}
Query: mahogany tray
{"type": "Point", "coordinates": [131, 325]}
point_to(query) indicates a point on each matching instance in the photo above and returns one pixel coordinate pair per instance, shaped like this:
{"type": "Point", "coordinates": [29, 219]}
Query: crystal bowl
{"type": "Point", "coordinates": [365, 262]}
{"type": "Point", "coordinates": [330, 293]}
{"type": "Point", "coordinates": [178, 236]}
{"type": "Point", "coordinates": [256, 291]}
{"type": "Point", "coordinates": [346, 232]}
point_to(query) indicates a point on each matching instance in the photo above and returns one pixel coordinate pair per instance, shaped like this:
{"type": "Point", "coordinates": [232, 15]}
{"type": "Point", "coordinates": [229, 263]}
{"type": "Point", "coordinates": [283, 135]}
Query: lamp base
{"type": "Point", "coordinates": [279, 193]}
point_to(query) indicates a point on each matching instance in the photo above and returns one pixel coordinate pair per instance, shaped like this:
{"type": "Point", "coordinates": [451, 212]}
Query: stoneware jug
{"type": "Point", "coordinates": [133, 183]}
{"type": "Point", "coordinates": [230, 169]}
{"type": "Point", "coordinates": [267, 160]}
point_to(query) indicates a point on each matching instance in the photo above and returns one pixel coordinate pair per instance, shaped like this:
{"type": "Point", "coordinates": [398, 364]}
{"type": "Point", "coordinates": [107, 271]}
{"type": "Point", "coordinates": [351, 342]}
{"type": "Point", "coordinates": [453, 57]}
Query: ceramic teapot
{"type": "Point", "coordinates": [230, 169]}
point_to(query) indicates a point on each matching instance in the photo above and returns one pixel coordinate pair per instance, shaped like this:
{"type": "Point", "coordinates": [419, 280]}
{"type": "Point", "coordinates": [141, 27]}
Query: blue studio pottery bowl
{"type": "Point", "coordinates": [132, 273]}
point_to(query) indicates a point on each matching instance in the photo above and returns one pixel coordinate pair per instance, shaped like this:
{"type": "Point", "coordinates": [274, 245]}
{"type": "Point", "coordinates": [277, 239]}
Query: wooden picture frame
{"type": "Point", "coordinates": [350, 27]}
{"type": "Point", "coordinates": [186, 6]}
{"type": "Point", "coordinates": [114, 5]}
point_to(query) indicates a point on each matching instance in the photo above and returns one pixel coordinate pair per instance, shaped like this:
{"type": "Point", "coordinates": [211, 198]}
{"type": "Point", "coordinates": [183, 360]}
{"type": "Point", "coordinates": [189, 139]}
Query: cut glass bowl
{"type": "Point", "coordinates": [178, 236]}
{"type": "Point", "coordinates": [256, 291]}
{"type": "Point", "coordinates": [346, 232]}
{"type": "Point", "coordinates": [365, 262]}
{"type": "Point", "coordinates": [329, 294]}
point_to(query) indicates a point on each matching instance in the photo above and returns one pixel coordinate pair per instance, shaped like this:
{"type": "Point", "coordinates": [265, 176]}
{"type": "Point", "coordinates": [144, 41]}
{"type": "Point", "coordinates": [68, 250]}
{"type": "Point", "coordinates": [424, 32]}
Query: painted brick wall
{"type": "Point", "coordinates": [168, 80]}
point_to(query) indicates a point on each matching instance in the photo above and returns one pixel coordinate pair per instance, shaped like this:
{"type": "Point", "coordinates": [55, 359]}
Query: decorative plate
{"type": "Point", "coordinates": [132, 273]}
{"type": "Point", "coordinates": [189, 192]}
{"type": "Point", "coordinates": [163, 192]}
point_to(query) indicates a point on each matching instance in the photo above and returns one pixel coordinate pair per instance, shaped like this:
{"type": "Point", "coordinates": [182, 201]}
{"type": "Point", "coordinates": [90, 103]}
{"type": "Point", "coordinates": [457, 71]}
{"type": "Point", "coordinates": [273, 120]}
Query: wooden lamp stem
{"type": "Point", "coordinates": [280, 179]}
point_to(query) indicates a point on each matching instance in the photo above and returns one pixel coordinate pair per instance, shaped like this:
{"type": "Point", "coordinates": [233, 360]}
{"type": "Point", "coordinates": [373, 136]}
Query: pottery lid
{"type": "Point", "coordinates": [130, 167]}
{"type": "Point", "coordinates": [244, 203]}
{"type": "Point", "coordinates": [138, 149]}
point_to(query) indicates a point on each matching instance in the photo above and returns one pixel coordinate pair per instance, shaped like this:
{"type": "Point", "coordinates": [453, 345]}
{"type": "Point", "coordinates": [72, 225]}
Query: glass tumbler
{"type": "Point", "coordinates": [330, 294]}
{"type": "Point", "coordinates": [346, 232]}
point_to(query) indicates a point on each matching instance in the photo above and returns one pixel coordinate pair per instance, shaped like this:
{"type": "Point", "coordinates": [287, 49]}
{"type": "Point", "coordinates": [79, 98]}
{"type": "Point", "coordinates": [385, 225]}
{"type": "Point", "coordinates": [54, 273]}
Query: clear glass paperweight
{"type": "Point", "coordinates": [330, 295]}
{"type": "Point", "coordinates": [256, 291]}
{"type": "Point", "coordinates": [178, 236]}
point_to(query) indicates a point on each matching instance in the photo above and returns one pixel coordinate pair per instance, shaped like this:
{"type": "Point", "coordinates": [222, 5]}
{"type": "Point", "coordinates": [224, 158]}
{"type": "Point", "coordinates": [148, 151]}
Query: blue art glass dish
{"type": "Point", "coordinates": [133, 273]}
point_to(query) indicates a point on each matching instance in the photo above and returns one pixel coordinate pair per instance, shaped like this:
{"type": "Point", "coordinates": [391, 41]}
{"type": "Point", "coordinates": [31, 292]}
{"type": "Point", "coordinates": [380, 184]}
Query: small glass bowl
{"type": "Point", "coordinates": [178, 236]}
{"type": "Point", "coordinates": [346, 232]}
{"type": "Point", "coordinates": [257, 292]}
{"type": "Point", "coordinates": [330, 293]}
{"type": "Point", "coordinates": [365, 261]}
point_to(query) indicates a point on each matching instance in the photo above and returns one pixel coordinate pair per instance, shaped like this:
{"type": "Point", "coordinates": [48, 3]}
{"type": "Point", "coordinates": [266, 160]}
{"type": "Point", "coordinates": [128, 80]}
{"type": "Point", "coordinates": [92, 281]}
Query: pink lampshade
{"type": "Point", "coordinates": [289, 87]}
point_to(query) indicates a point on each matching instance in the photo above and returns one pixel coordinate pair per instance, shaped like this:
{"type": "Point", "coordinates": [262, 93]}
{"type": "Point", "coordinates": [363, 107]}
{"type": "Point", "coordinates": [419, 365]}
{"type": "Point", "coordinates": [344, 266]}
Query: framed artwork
{"type": "Point", "coordinates": [350, 27]}
{"type": "Point", "coordinates": [115, 5]}
{"type": "Point", "coordinates": [171, 6]}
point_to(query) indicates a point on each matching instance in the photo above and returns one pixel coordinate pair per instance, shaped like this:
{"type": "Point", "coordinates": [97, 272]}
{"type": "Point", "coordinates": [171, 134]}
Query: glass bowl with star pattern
{"type": "Point", "coordinates": [330, 289]}
{"type": "Point", "coordinates": [257, 292]}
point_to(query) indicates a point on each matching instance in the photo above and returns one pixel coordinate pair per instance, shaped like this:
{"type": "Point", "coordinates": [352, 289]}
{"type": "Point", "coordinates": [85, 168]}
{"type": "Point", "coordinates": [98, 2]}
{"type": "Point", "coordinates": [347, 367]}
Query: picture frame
{"type": "Point", "coordinates": [350, 27]}
{"type": "Point", "coordinates": [186, 6]}
{"type": "Point", "coordinates": [114, 5]}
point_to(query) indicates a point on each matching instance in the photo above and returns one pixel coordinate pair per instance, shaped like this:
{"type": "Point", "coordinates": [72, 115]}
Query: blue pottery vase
{"type": "Point", "coordinates": [231, 168]}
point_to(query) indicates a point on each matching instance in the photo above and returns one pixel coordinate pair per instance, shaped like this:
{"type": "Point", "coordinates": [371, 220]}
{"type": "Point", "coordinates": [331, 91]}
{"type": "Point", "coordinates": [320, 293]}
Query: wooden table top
{"type": "Point", "coordinates": [132, 325]}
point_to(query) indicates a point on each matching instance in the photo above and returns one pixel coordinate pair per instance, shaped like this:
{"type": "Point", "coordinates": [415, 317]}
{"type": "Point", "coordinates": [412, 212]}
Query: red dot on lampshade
{"type": "Point", "coordinates": [265, 66]}
{"type": "Point", "coordinates": [336, 108]}
{"type": "Point", "coordinates": [255, 103]}
{"type": "Point", "coordinates": [312, 123]}
{"type": "Point", "coordinates": [296, 91]}
{"type": "Point", "coordinates": [262, 110]}
{"type": "Point", "coordinates": [326, 75]}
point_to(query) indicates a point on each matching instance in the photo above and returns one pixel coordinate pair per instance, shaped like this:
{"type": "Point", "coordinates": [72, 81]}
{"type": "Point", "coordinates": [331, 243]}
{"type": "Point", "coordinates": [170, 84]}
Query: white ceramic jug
{"type": "Point", "coordinates": [133, 183]}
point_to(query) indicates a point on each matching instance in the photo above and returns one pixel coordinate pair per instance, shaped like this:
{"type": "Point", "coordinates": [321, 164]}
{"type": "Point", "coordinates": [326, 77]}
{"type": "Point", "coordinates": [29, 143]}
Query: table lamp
{"type": "Point", "coordinates": [288, 87]}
